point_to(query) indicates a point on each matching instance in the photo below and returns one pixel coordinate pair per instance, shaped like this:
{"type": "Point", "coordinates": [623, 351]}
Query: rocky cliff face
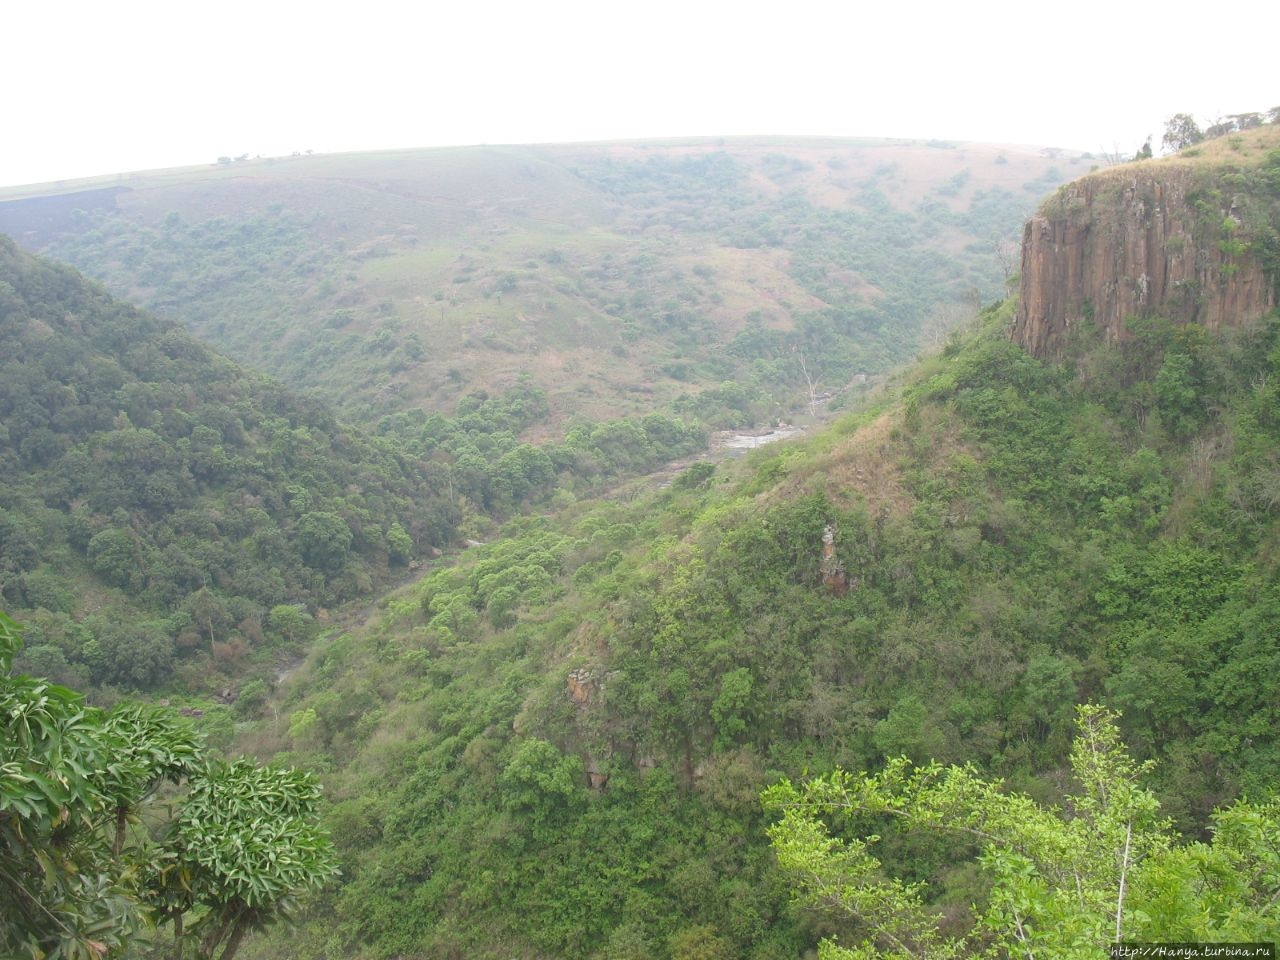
{"type": "Point", "coordinates": [1140, 239]}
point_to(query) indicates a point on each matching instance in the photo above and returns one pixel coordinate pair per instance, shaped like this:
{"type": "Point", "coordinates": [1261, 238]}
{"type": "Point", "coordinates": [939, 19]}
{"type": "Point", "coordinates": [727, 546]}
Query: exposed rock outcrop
{"type": "Point", "coordinates": [834, 577]}
{"type": "Point", "coordinates": [1134, 240]}
{"type": "Point", "coordinates": [582, 686]}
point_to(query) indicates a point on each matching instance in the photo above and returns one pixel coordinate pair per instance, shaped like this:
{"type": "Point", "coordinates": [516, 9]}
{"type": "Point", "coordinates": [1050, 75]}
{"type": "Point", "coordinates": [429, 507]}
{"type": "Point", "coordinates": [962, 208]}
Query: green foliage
{"type": "Point", "coordinates": [1107, 868]}
{"type": "Point", "coordinates": [906, 731]}
{"type": "Point", "coordinates": [553, 746]}
{"type": "Point", "coordinates": [244, 843]}
{"type": "Point", "coordinates": [324, 539]}
{"type": "Point", "coordinates": [541, 781]}
{"type": "Point", "coordinates": [479, 455]}
{"type": "Point", "coordinates": [1181, 130]}
{"type": "Point", "coordinates": [591, 703]}
{"type": "Point", "coordinates": [291, 622]}
{"type": "Point", "coordinates": [78, 873]}
{"type": "Point", "coordinates": [60, 895]}
{"type": "Point", "coordinates": [399, 544]}
{"type": "Point", "coordinates": [334, 284]}
{"type": "Point", "coordinates": [152, 476]}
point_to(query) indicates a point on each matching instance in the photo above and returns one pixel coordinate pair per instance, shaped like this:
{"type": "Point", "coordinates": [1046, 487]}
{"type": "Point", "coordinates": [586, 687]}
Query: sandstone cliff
{"type": "Point", "coordinates": [1162, 237]}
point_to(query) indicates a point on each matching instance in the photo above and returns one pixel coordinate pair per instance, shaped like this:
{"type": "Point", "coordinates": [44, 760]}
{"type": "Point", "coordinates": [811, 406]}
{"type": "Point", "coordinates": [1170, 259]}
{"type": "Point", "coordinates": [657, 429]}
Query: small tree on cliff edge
{"type": "Point", "coordinates": [1181, 130]}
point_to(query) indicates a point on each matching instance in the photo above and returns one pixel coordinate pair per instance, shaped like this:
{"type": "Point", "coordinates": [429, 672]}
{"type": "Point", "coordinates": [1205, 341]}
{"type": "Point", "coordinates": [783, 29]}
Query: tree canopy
{"type": "Point", "coordinates": [82, 877]}
{"type": "Point", "coordinates": [186, 496]}
{"type": "Point", "coordinates": [1181, 130]}
{"type": "Point", "coordinates": [1104, 867]}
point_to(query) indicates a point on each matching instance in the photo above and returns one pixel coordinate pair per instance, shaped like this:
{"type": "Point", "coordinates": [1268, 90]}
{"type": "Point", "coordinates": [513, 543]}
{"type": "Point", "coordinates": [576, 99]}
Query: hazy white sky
{"type": "Point", "coordinates": [100, 87]}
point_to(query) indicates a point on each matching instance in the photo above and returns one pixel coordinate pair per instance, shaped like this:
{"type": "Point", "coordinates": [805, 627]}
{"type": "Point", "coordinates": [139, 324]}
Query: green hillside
{"type": "Point", "coordinates": [555, 744]}
{"type": "Point", "coordinates": [164, 515]}
{"type": "Point", "coordinates": [555, 748]}
{"type": "Point", "coordinates": [688, 277]}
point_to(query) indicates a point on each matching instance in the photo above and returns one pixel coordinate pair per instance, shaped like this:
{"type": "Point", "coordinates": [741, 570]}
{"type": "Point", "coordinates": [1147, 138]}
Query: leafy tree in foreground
{"type": "Point", "coordinates": [76, 881]}
{"type": "Point", "coordinates": [1063, 883]}
{"type": "Point", "coordinates": [60, 893]}
{"type": "Point", "coordinates": [244, 843]}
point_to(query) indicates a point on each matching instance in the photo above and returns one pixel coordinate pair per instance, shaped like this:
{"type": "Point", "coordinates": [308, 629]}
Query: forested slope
{"type": "Point", "coordinates": [682, 277]}
{"type": "Point", "coordinates": [163, 512]}
{"type": "Point", "coordinates": [555, 749]}
{"type": "Point", "coordinates": [556, 745]}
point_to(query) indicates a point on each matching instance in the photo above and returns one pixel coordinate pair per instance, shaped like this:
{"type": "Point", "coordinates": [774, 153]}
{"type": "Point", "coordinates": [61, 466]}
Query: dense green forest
{"type": "Point", "coordinates": [733, 712]}
{"type": "Point", "coordinates": [225, 513]}
{"type": "Point", "coordinates": [597, 702]}
{"type": "Point", "coordinates": [556, 746]}
{"type": "Point", "coordinates": [164, 514]}
{"type": "Point", "coordinates": [171, 521]}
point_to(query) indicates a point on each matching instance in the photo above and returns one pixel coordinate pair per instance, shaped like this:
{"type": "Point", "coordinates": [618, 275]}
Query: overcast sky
{"type": "Point", "coordinates": [103, 87]}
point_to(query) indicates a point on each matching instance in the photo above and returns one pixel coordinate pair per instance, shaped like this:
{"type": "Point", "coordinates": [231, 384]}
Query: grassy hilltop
{"type": "Point", "coordinates": [621, 278]}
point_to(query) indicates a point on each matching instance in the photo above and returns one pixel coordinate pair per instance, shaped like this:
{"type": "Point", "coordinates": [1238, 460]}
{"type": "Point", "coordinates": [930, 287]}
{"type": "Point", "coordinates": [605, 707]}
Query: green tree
{"type": "Point", "coordinates": [730, 706]}
{"type": "Point", "coordinates": [1181, 130]}
{"type": "Point", "coordinates": [700, 943]}
{"type": "Point", "coordinates": [117, 555]}
{"type": "Point", "coordinates": [154, 746]}
{"type": "Point", "coordinates": [1063, 883]}
{"type": "Point", "coordinates": [60, 893]}
{"type": "Point", "coordinates": [324, 539]}
{"type": "Point", "coordinates": [907, 731]}
{"type": "Point", "coordinates": [290, 621]}
{"type": "Point", "coordinates": [135, 656]}
{"type": "Point", "coordinates": [75, 881]}
{"type": "Point", "coordinates": [542, 781]}
{"type": "Point", "coordinates": [399, 544]}
{"type": "Point", "coordinates": [245, 842]}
